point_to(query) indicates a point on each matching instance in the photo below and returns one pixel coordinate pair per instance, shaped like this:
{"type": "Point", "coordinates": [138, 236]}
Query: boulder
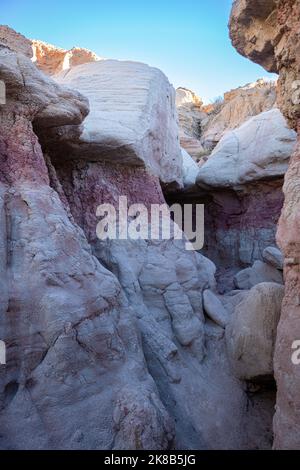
{"type": "Point", "coordinates": [251, 332]}
{"type": "Point", "coordinates": [132, 117]}
{"type": "Point", "coordinates": [273, 257]}
{"type": "Point", "coordinates": [259, 149]}
{"type": "Point", "coordinates": [214, 308]}
{"type": "Point", "coordinates": [258, 273]}
{"type": "Point", "coordinates": [232, 298]}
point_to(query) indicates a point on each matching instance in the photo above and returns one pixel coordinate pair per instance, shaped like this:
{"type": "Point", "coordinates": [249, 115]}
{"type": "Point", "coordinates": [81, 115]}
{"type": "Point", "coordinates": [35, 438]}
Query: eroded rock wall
{"type": "Point", "coordinates": [268, 33]}
{"type": "Point", "coordinates": [73, 349]}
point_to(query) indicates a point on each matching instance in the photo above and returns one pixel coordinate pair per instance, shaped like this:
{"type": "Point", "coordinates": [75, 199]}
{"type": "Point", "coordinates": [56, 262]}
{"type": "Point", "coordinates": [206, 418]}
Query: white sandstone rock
{"type": "Point", "coordinates": [259, 149]}
{"type": "Point", "coordinates": [251, 332]}
{"type": "Point", "coordinates": [132, 118]}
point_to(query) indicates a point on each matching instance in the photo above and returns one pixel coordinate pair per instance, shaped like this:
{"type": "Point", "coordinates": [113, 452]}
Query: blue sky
{"type": "Point", "coordinates": [188, 39]}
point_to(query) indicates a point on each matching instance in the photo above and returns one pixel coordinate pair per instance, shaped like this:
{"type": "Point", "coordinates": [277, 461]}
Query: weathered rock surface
{"type": "Point", "coordinates": [251, 332]}
{"type": "Point", "coordinates": [132, 118]}
{"type": "Point", "coordinates": [274, 30]}
{"type": "Point", "coordinates": [274, 257]}
{"type": "Point", "coordinates": [258, 273]}
{"type": "Point", "coordinates": [127, 311]}
{"type": "Point", "coordinates": [259, 149]}
{"type": "Point", "coordinates": [231, 299]}
{"type": "Point", "coordinates": [68, 323]}
{"type": "Point", "coordinates": [53, 60]}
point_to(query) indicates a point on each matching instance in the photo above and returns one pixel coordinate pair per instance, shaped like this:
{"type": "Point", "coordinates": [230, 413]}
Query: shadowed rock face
{"type": "Point", "coordinates": [275, 45]}
{"type": "Point", "coordinates": [267, 33]}
{"type": "Point", "coordinates": [241, 187]}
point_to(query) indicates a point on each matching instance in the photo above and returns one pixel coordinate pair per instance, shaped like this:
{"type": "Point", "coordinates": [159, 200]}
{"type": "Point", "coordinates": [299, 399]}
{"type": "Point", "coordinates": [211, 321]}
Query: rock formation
{"type": "Point", "coordinates": [133, 334]}
{"type": "Point", "coordinates": [132, 117]}
{"type": "Point", "coordinates": [191, 115]}
{"type": "Point", "coordinates": [202, 127]}
{"type": "Point", "coordinates": [68, 323]}
{"type": "Point", "coordinates": [48, 58]}
{"type": "Point", "coordinates": [240, 185]}
{"type": "Point", "coordinates": [112, 330]}
{"type": "Point", "coordinates": [52, 60]}
{"type": "Point", "coordinates": [251, 334]}
{"type": "Point", "coordinates": [239, 105]}
{"type": "Point", "coordinates": [268, 33]}
{"type": "Point", "coordinates": [258, 150]}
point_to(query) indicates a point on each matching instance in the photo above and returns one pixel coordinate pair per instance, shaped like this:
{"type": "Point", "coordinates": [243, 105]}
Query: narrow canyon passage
{"type": "Point", "coordinates": [136, 342]}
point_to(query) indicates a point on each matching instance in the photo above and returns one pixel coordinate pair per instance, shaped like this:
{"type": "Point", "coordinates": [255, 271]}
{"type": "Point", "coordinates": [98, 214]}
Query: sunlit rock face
{"type": "Point", "coordinates": [259, 149]}
{"type": "Point", "coordinates": [52, 59]}
{"type": "Point", "coordinates": [268, 33]}
{"type": "Point", "coordinates": [190, 114]}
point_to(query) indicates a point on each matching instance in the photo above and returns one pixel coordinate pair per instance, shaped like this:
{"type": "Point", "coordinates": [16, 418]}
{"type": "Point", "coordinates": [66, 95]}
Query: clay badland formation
{"type": "Point", "coordinates": [142, 344]}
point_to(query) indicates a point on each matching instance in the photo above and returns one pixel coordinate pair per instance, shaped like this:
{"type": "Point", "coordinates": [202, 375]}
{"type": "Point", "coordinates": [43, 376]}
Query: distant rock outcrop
{"type": "Point", "coordinates": [15, 41]}
{"type": "Point", "coordinates": [203, 126]}
{"type": "Point", "coordinates": [189, 109]}
{"type": "Point", "coordinates": [238, 106]}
